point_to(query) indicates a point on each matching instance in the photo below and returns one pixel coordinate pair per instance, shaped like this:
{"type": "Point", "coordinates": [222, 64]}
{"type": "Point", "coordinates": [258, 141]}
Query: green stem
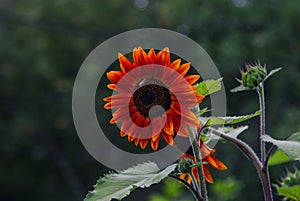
{"type": "Point", "coordinates": [197, 155]}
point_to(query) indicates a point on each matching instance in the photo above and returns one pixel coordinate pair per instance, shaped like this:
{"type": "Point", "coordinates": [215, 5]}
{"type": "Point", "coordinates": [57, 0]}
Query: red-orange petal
{"type": "Point", "coordinates": [175, 64]}
{"type": "Point", "coordinates": [111, 86]}
{"type": "Point", "coordinates": [143, 143]}
{"type": "Point", "coordinates": [154, 144]}
{"type": "Point", "coordinates": [216, 163]}
{"type": "Point", "coordinates": [191, 79]}
{"type": "Point", "coordinates": [207, 174]}
{"type": "Point", "coordinates": [184, 68]}
{"type": "Point", "coordinates": [114, 76]}
{"type": "Point", "coordinates": [136, 141]}
{"type": "Point", "coordinates": [122, 134]}
{"type": "Point", "coordinates": [112, 121]}
{"type": "Point", "coordinates": [163, 57]}
{"type": "Point", "coordinates": [168, 138]}
{"type": "Point", "coordinates": [125, 64]}
{"type": "Point", "coordinates": [169, 129]}
{"type": "Point", "coordinates": [152, 56]}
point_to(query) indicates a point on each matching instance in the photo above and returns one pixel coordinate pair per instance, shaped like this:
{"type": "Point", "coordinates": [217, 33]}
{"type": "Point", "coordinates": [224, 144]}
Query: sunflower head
{"type": "Point", "coordinates": [151, 97]}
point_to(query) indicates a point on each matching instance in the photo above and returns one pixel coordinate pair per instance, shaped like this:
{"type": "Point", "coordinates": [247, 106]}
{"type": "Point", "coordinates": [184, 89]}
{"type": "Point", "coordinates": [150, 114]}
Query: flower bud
{"type": "Point", "coordinates": [185, 165]}
{"type": "Point", "coordinates": [253, 76]}
{"type": "Point", "coordinates": [291, 179]}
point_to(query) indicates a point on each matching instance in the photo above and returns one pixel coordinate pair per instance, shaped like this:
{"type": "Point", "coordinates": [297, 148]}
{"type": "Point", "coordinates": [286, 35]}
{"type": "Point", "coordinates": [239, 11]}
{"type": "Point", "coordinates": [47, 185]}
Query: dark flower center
{"type": "Point", "coordinates": [151, 92]}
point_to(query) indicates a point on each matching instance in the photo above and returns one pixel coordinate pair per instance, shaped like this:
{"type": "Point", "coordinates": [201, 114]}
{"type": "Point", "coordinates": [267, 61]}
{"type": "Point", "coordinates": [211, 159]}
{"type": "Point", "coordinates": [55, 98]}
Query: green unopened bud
{"type": "Point", "coordinates": [185, 165]}
{"type": "Point", "coordinates": [291, 179]}
{"type": "Point", "coordinates": [253, 76]}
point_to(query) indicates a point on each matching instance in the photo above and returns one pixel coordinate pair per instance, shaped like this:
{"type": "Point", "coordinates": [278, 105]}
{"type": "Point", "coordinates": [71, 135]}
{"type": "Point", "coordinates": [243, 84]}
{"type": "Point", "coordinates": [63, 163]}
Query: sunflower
{"type": "Point", "coordinates": [152, 80]}
{"type": "Point", "coordinates": [208, 158]}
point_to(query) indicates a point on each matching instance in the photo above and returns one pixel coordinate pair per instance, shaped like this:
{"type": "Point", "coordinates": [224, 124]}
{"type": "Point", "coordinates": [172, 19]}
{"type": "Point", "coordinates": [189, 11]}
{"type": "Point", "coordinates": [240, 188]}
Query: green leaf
{"type": "Point", "coordinates": [272, 72]}
{"type": "Point", "coordinates": [203, 111]}
{"type": "Point", "coordinates": [208, 87]}
{"type": "Point", "coordinates": [209, 121]}
{"type": "Point", "coordinates": [290, 148]}
{"type": "Point", "coordinates": [232, 131]}
{"type": "Point", "coordinates": [279, 157]}
{"type": "Point", "coordinates": [120, 184]}
{"type": "Point", "coordinates": [290, 192]}
{"type": "Point", "coordinates": [239, 88]}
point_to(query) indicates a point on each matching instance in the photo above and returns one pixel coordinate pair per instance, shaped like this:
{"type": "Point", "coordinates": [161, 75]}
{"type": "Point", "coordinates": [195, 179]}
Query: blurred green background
{"type": "Point", "coordinates": [43, 44]}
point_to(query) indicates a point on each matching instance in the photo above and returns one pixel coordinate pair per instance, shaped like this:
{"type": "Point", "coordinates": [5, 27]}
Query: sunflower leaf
{"type": "Point", "coordinates": [272, 72]}
{"type": "Point", "coordinates": [208, 87]}
{"type": "Point", "coordinates": [290, 147]}
{"type": "Point", "coordinates": [209, 121]}
{"type": "Point", "coordinates": [121, 183]}
{"type": "Point", "coordinates": [229, 130]}
{"type": "Point", "coordinates": [239, 88]}
{"type": "Point", "coordinates": [279, 156]}
{"type": "Point", "coordinates": [290, 192]}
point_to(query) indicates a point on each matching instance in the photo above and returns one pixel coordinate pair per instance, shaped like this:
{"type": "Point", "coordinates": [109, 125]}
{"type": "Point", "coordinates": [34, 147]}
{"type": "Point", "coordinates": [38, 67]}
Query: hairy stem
{"type": "Point", "coordinates": [261, 95]}
{"type": "Point", "coordinates": [264, 159]}
{"type": "Point", "coordinates": [250, 154]}
{"type": "Point", "coordinates": [190, 187]}
{"type": "Point", "coordinates": [197, 155]}
{"type": "Point", "coordinates": [244, 147]}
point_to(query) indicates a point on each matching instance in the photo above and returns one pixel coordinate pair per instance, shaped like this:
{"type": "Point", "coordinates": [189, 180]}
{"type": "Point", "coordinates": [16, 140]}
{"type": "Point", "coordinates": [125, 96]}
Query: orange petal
{"type": "Point", "coordinates": [143, 143]}
{"type": "Point", "coordinates": [122, 134]}
{"type": "Point", "coordinates": [136, 141]}
{"type": "Point", "coordinates": [175, 64]}
{"type": "Point", "coordinates": [130, 139]}
{"type": "Point", "coordinates": [199, 97]}
{"type": "Point", "coordinates": [192, 78]}
{"type": "Point", "coordinates": [169, 126]}
{"type": "Point", "coordinates": [188, 117]}
{"type": "Point", "coordinates": [112, 121]}
{"type": "Point", "coordinates": [140, 57]}
{"type": "Point", "coordinates": [107, 99]}
{"type": "Point", "coordinates": [154, 144]}
{"type": "Point", "coordinates": [125, 64]}
{"type": "Point", "coordinates": [216, 163]}
{"type": "Point", "coordinates": [107, 105]}
{"type": "Point", "coordinates": [182, 176]}
{"type": "Point", "coordinates": [163, 57]}
{"type": "Point", "coordinates": [207, 174]}
{"type": "Point", "coordinates": [114, 76]}
{"type": "Point", "coordinates": [183, 131]}
{"type": "Point", "coordinates": [184, 68]}
{"type": "Point", "coordinates": [152, 56]}
{"type": "Point", "coordinates": [169, 139]}
{"type": "Point", "coordinates": [111, 86]}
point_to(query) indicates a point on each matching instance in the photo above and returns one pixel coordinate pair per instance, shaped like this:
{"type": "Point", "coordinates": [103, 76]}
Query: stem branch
{"type": "Point", "coordinates": [248, 151]}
